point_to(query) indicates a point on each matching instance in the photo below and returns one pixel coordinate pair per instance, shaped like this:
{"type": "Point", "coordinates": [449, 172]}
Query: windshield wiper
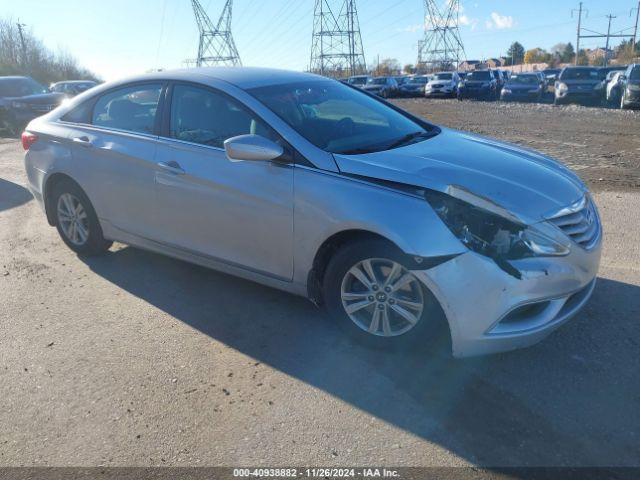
{"type": "Point", "coordinates": [408, 138]}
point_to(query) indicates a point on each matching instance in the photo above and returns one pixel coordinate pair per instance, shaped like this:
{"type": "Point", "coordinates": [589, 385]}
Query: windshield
{"type": "Point", "coordinates": [579, 74]}
{"type": "Point", "coordinates": [20, 87]}
{"type": "Point", "coordinates": [419, 80]}
{"type": "Point", "coordinates": [377, 81]}
{"type": "Point", "coordinates": [443, 76]}
{"type": "Point", "coordinates": [340, 119]}
{"type": "Point", "coordinates": [484, 75]}
{"type": "Point", "coordinates": [358, 80]}
{"type": "Point", "coordinates": [524, 79]}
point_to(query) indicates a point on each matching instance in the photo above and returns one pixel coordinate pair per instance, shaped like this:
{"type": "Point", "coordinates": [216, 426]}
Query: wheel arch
{"type": "Point", "coordinates": [49, 185]}
{"type": "Point", "coordinates": [326, 251]}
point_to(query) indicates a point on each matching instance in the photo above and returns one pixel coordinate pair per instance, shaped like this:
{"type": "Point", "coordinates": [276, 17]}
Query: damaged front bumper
{"type": "Point", "coordinates": [490, 310]}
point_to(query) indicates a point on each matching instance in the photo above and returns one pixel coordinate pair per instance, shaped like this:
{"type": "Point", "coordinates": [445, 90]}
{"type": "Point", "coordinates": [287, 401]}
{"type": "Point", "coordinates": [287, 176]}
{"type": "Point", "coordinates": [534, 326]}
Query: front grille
{"type": "Point", "coordinates": [579, 222]}
{"type": "Point", "coordinates": [43, 108]}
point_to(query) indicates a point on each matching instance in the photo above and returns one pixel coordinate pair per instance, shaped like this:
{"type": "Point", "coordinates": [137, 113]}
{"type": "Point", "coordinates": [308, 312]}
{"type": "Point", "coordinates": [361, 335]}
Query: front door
{"type": "Point", "coordinates": [237, 212]}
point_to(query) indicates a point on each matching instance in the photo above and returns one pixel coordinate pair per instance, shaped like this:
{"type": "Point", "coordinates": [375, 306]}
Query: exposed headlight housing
{"type": "Point", "coordinates": [506, 90]}
{"type": "Point", "coordinates": [489, 230]}
{"type": "Point", "coordinates": [561, 87]}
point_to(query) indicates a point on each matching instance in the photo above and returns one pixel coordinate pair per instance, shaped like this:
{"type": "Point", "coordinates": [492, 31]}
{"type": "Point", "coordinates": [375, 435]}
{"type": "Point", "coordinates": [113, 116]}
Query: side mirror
{"type": "Point", "coordinates": [252, 147]}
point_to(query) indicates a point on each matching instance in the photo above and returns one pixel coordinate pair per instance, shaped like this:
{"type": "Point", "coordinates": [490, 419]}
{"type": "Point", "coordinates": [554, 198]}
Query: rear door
{"type": "Point", "coordinates": [114, 156]}
{"type": "Point", "coordinates": [239, 212]}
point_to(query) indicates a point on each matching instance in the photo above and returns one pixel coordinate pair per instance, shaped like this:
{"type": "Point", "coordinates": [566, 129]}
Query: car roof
{"type": "Point", "coordinates": [242, 77]}
{"type": "Point", "coordinates": [75, 81]}
{"type": "Point", "coordinates": [14, 77]}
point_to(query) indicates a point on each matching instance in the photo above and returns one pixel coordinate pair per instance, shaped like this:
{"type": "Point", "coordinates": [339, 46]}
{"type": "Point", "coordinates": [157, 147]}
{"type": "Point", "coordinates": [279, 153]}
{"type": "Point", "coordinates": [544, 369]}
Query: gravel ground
{"type": "Point", "coordinates": [137, 359]}
{"type": "Point", "coordinates": [602, 145]}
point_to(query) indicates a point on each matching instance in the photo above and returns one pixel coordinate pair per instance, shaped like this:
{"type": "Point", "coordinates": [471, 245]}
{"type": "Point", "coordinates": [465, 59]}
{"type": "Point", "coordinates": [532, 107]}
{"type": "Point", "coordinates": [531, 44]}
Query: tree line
{"type": "Point", "coordinates": [565, 53]}
{"type": "Point", "coordinates": [22, 53]}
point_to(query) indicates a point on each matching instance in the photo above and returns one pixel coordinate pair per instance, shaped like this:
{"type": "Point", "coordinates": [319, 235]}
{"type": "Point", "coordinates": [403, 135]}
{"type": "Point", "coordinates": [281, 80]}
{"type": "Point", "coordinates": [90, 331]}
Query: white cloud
{"type": "Point", "coordinates": [500, 22]}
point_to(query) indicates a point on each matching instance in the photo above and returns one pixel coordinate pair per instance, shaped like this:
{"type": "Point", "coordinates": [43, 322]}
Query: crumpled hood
{"type": "Point", "coordinates": [527, 184]}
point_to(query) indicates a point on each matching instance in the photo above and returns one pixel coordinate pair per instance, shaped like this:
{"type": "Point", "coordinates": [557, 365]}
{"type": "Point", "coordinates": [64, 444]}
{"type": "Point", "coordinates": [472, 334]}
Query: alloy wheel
{"type": "Point", "coordinates": [73, 219]}
{"type": "Point", "coordinates": [382, 297]}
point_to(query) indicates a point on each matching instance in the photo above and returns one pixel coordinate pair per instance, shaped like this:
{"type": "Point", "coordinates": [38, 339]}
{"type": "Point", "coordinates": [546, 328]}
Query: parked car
{"type": "Point", "coordinates": [524, 87]}
{"type": "Point", "coordinates": [551, 75]}
{"type": "Point", "coordinates": [479, 84]}
{"type": "Point", "coordinates": [385, 87]}
{"type": "Point", "coordinates": [462, 75]}
{"type": "Point", "coordinates": [402, 79]}
{"type": "Point", "coordinates": [614, 87]}
{"type": "Point", "coordinates": [442, 84]}
{"type": "Point", "coordinates": [414, 87]}
{"type": "Point", "coordinates": [358, 80]}
{"type": "Point", "coordinates": [395, 225]}
{"type": "Point", "coordinates": [578, 85]}
{"type": "Point", "coordinates": [603, 72]}
{"type": "Point", "coordinates": [71, 88]}
{"type": "Point", "coordinates": [630, 87]}
{"type": "Point", "coordinates": [21, 100]}
{"type": "Point", "coordinates": [500, 80]}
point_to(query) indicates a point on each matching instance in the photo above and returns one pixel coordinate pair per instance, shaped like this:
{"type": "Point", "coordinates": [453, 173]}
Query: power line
{"type": "Point", "coordinates": [441, 47]}
{"type": "Point", "coordinates": [336, 43]}
{"type": "Point", "coordinates": [216, 45]}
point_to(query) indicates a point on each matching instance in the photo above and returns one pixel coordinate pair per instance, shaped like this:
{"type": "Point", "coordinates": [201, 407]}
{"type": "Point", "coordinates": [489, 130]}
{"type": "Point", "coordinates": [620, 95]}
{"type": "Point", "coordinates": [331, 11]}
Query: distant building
{"type": "Point", "coordinates": [469, 65]}
{"type": "Point", "coordinates": [600, 53]}
{"type": "Point", "coordinates": [493, 63]}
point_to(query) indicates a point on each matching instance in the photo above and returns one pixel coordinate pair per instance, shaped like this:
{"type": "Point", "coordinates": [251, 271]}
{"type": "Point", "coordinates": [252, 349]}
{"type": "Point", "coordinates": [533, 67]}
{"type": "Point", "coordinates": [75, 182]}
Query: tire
{"type": "Point", "coordinates": [67, 196]}
{"type": "Point", "coordinates": [430, 328]}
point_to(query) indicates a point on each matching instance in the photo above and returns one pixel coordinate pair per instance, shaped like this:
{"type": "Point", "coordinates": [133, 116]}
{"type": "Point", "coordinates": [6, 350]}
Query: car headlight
{"type": "Point", "coordinates": [633, 86]}
{"type": "Point", "coordinates": [485, 85]}
{"type": "Point", "coordinates": [600, 85]}
{"type": "Point", "coordinates": [506, 90]}
{"type": "Point", "coordinates": [19, 105]}
{"type": "Point", "coordinates": [561, 87]}
{"type": "Point", "coordinates": [491, 233]}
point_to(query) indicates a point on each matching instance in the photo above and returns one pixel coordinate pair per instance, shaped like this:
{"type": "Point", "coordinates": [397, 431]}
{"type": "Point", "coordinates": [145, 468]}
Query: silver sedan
{"type": "Point", "coordinates": [408, 233]}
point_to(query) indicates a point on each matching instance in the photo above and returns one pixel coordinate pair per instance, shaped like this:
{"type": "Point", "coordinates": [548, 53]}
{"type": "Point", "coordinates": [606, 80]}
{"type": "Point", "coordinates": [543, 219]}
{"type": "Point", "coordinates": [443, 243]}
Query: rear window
{"type": "Point", "coordinates": [579, 74]}
{"type": "Point", "coordinates": [131, 108]}
{"type": "Point", "coordinates": [635, 74]}
{"type": "Point", "coordinates": [484, 75]}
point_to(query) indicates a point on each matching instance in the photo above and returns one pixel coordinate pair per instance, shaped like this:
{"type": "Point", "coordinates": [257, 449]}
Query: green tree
{"type": "Point", "coordinates": [568, 54]}
{"type": "Point", "coordinates": [515, 54]}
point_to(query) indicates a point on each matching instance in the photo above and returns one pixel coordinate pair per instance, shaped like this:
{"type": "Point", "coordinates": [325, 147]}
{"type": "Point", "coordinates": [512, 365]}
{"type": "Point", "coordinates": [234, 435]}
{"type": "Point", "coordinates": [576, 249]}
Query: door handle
{"type": "Point", "coordinates": [83, 141]}
{"type": "Point", "coordinates": [172, 166]}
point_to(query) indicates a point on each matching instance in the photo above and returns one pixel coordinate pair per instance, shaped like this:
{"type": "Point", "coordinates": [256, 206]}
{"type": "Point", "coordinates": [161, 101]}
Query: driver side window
{"type": "Point", "coordinates": [199, 115]}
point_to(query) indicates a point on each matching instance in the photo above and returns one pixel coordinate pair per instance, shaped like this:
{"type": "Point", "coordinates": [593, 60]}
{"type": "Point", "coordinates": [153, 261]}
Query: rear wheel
{"type": "Point", "coordinates": [76, 220]}
{"type": "Point", "coordinates": [376, 299]}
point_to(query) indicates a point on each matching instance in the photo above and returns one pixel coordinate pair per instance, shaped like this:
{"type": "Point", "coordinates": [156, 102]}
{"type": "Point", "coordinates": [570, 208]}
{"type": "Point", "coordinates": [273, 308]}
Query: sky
{"type": "Point", "coordinates": [115, 38]}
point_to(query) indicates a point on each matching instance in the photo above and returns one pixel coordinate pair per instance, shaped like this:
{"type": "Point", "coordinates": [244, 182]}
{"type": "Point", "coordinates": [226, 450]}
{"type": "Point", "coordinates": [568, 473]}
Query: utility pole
{"type": "Point", "coordinates": [216, 45]}
{"type": "Point", "coordinates": [22, 43]}
{"type": "Point", "coordinates": [336, 44]}
{"type": "Point", "coordinates": [606, 48]}
{"type": "Point", "coordinates": [635, 29]}
{"type": "Point", "coordinates": [441, 47]}
{"type": "Point", "coordinates": [579, 31]}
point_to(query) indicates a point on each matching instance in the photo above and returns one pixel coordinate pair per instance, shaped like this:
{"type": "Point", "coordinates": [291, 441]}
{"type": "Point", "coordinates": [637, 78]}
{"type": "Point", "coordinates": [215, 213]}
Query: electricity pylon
{"type": "Point", "coordinates": [442, 47]}
{"type": "Point", "coordinates": [336, 44]}
{"type": "Point", "coordinates": [216, 46]}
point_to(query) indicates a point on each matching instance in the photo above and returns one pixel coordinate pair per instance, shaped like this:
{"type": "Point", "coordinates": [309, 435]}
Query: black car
{"type": "Point", "coordinates": [71, 88]}
{"type": "Point", "coordinates": [479, 84]}
{"type": "Point", "coordinates": [384, 87]}
{"type": "Point", "coordinates": [21, 100]}
{"type": "Point", "coordinates": [524, 87]}
{"type": "Point", "coordinates": [631, 87]}
{"type": "Point", "coordinates": [414, 87]}
{"type": "Point", "coordinates": [500, 80]}
{"type": "Point", "coordinates": [578, 85]}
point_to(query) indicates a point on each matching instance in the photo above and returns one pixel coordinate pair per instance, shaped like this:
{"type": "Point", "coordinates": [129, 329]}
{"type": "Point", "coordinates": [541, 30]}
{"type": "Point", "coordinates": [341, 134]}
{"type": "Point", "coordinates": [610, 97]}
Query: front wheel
{"type": "Point", "coordinates": [76, 220]}
{"type": "Point", "coordinates": [370, 290]}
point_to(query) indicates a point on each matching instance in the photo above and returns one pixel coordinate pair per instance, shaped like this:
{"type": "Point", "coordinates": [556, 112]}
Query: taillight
{"type": "Point", "coordinates": [28, 139]}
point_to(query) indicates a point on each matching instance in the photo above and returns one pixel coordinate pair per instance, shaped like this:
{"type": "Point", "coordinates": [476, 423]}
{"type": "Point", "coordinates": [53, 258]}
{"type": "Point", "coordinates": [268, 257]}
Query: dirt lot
{"type": "Point", "coordinates": [137, 359]}
{"type": "Point", "coordinates": [602, 145]}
